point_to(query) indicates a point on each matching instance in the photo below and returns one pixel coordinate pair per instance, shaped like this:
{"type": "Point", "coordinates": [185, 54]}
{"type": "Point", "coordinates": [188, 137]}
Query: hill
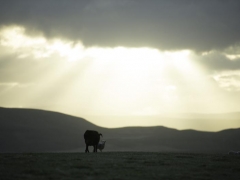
{"type": "Point", "coordinates": [29, 130]}
{"type": "Point", "coordinates": [181, 121]}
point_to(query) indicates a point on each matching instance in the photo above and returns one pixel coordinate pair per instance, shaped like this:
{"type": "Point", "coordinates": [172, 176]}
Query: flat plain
{"type": "Point", "coordinates": [119, 165]}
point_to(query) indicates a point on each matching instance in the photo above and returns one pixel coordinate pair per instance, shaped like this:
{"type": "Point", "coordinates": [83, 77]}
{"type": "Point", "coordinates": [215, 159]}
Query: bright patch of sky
{"type": "Point", "coordinates": [66, 76]}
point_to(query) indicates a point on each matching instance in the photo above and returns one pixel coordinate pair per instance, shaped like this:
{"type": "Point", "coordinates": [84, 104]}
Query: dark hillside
{"type": "Point", "coordinates": [37, 130]}
{"type": "Point", "coordinates": [28, 130]}
{"type": "Point", "coordinates": [165, 139]}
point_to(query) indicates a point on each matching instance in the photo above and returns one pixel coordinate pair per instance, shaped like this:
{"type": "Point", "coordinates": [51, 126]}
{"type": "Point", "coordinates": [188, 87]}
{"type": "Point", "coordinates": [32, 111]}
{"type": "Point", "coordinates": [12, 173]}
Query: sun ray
{"type": "Point", "coordinates": [85, 81]}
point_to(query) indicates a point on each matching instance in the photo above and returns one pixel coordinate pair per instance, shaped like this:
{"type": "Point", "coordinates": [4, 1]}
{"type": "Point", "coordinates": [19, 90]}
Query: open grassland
{"type": "Point", "coordinates": [119, 165]}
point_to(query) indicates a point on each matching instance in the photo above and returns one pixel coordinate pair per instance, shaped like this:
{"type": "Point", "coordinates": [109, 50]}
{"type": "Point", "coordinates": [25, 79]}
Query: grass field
{"type": "Point", "coordinates": [119, 165]}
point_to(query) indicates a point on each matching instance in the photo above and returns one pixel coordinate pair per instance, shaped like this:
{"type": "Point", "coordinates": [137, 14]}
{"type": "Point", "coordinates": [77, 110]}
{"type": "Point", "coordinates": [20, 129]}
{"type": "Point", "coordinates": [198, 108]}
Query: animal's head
{"type": "Point", "coordinates": [103, 141]}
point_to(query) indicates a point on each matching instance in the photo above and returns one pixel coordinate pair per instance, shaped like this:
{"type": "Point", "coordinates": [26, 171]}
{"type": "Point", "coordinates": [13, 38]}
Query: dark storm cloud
{"type": "Point", "coordinates": [164, 24]}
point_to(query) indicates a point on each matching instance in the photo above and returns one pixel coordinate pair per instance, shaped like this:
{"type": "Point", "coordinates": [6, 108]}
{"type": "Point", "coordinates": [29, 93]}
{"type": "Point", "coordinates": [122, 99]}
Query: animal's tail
{"type": "Point", "coordinates": [100, 134]}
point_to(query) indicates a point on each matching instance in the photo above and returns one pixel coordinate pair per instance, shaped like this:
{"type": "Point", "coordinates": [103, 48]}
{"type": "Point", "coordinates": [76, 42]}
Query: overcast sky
{"type": "Point", "coordinates": [120, 57]}
{"type": "Point", "coordinates": [165, 24]}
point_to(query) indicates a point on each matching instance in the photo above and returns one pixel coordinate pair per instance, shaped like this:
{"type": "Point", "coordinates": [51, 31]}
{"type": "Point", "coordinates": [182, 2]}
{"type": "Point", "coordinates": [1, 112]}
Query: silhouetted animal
{"type": "Point", "coordinates": [91, 139]}
{"type": "Point", "coordinates": [101, 145]}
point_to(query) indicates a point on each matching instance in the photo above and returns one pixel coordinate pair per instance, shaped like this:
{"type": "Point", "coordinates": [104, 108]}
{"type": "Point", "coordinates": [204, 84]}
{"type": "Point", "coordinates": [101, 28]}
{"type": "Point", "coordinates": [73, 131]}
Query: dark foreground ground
{"type": "Point", "coordinates": [119, 165]}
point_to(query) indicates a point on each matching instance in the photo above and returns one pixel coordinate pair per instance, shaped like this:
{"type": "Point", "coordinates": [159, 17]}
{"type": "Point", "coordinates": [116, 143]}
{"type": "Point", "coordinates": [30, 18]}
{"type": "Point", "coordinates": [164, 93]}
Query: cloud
{"type": "Point", "coordinates": [228, 80]}
{"type": "Point", "coordinates": [218, 61]}
{"type": "Point", "coordinates": [166, 25]}
{"type": "Point", "coordinates": [35, 71]}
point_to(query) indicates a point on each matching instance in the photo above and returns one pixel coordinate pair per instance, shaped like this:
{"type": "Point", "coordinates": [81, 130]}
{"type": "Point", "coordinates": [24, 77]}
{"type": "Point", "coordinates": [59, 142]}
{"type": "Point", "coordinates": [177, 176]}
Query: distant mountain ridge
{"type": "Point", "coordinates": [181, 121]}
{"type": "Point", "coordinates": [31, 130]}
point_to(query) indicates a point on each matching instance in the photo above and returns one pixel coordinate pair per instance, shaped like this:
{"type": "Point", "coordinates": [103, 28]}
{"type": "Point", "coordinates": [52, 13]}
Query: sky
{"type": "Point", "coordinates": [120, 58]}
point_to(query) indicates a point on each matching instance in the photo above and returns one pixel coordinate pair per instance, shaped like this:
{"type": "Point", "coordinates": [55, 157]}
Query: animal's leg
{"type": "Point", "coordinates": [95, 148]}
{"type": "Point", "coordinates": [86, 151]}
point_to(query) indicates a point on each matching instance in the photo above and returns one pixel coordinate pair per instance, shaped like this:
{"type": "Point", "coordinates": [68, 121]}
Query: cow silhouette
{"type": "Point", "coordinates": [91, 139]}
